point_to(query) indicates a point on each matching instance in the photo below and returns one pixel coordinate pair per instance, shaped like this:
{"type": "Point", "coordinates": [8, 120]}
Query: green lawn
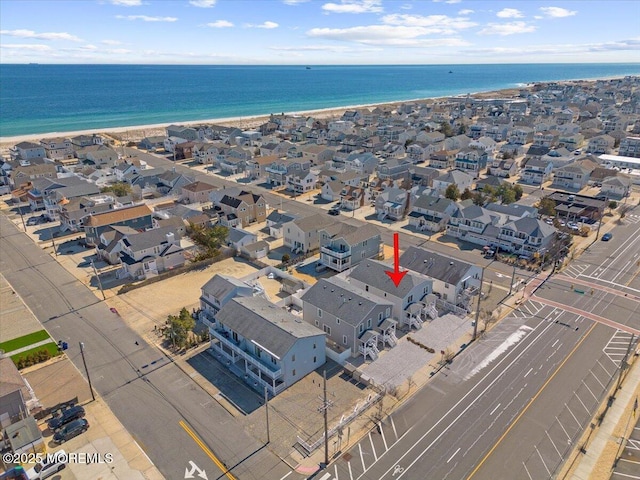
{"type": "Point", "coordinates": [20, 342]}
{"type": "Point", "coordinates": [52, 348]}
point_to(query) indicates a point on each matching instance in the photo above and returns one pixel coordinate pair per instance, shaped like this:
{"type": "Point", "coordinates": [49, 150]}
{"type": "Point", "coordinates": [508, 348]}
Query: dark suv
{"type": "Point", "coordinates": [65, 417]}
{"type": "Point", "coordinates": [70, 430]}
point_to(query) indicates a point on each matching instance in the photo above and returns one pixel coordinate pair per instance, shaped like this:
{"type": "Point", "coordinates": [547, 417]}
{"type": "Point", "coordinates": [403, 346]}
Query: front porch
{"type": "Point", "coordinates": [369, 345]}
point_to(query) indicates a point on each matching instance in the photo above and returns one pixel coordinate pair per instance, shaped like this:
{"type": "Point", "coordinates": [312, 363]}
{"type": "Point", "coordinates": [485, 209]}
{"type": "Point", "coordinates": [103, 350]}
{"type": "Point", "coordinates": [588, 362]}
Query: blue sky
{"type": "Point", "coordinates": [313, 32]}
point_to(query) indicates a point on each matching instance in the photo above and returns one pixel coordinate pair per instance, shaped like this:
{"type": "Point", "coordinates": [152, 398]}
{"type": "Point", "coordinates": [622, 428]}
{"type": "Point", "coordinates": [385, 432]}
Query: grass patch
{"type": "Point", "coordinates": [24, 341]}
{"type": "Point", "coordinates": [32, 354]}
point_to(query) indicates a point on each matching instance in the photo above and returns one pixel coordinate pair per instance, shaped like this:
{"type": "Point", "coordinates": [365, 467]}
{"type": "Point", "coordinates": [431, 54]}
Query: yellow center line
{"type": "Point", "coordinates": [495, 445]}
{"type": "Point", "coordinates": [206, 450]}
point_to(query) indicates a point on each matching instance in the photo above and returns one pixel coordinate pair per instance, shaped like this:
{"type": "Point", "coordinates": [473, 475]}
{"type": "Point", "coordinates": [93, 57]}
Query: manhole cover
{"type": "Point", "coordinates": [346, 457]}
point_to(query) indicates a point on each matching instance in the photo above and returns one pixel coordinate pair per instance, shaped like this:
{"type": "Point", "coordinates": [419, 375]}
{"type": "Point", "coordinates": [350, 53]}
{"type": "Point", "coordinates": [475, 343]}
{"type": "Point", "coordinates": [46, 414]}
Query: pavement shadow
{"type": "Point", "coordinates": [232, 388]}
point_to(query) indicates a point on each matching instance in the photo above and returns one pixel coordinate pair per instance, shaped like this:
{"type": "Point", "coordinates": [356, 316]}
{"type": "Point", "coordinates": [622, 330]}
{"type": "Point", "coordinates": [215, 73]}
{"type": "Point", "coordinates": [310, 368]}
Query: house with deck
{"type": "Point", "coordinates": [344, 246]}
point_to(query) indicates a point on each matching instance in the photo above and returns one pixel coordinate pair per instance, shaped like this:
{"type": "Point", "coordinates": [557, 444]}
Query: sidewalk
{"type": "Point", "coordinates": [28, 347]}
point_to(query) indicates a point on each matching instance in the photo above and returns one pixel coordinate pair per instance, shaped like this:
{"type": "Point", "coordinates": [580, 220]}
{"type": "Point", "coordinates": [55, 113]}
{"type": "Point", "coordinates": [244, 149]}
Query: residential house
{"type": "Point", "coordinates": [53, 193]}
{"type": "Point", "coordinates": [471, 161]}
{"type": "Point", "coordinates": [503, 168]}
{"type": "Point", "coordinates": [123, 169]}
{"type": "Point", "coordinates": [392, 203]}
{"type": "Point", "coordinates": [419, 152]}
{"type": "Point", "coordinates": [343, 246]}
{"type": "Point", "coordinates": [256, 168]}
{"type": "Point", "coordinates": [521, 135]}
{"type": "Point", "coordinates": [279, 170]}
{"type": "Point", "coordinates": [454, 177]}
{"type": "Point", "coordinates": [171, 182]}
{"type": "Point", "coordinates": [153, 143]}
{"type": "Point", "coordinates": [197, 192]}
{"type": "Point", "coordinates": [347, 314]}
{"type": "Point", "coordinates": [255, 250]}
{"type": "Point", "coordinates": [574, 176]}
{"type": "Point", "coordinates": [575, 207]}
{"type": "Point", "coordinates": [475, 224]}
{"type": "Point", "coordinates": [58, 148]}
{"type": "Point", "coordinates": [316, 154]}
{"type": "Point", "coordinates": [146, 254]}
{"type": "Point", "coordinates": [27, 172]}
{"type": "Point", "coordinates": [423, 176]}
{"type": "Point", "coordinates": [207, 153]}
{"type": "Point", "coordinates": [109, 246]}
{"type": "Point", "coordinates": [180, 131]}
{"type": "Point", "coordinates": [138, 217]}
{"type": "Point", "coordinates": [526, 236]}
{"type": "Point", "coordinates": [171, 142]}
{"type": "Point", "coordinates": [301, 181]}
{"type": "Point", "coordinates": [247, 207]}
{"type": "Point", "coordinates": [238, 238]}
{"type": "Point", "coordinates": [27, 151]}
{"type": "Point", "coordinates": [600, 144]}
{"type": "Point", "coordinates": [536, 172]}
{"type": "Point", "coordinates": [352, 198]}
{"type": "Point", "coordinates": [73, 212]}
{"type": "Point", "coordinates": [393, 169]}
{"type": "Point", "coordinates": [217, 292]}
{"type": "Point", "coordinates": [431, 213]}
{"type": "Point", "coordinates": [616, 187]}
{"type": "Point", "coordinates": [266, 346]}
{"type": "Point", "coordinates": [17, 398]}
{"type": "Point", "coordinates": [442, 159]}
{"type": "Point", "coordinates": [410, 298]}
{"type": "Point", "coordinates": [301, 234]}
{"type": "Point", "coordinates": [276, 220]}
{"type": "Point", "coordinates": [101, 157]}
{"type": "Point", "coordinates": [454, 281]}
{"type": "Point", "coordinates": [630, 147]}
{"type": "Point", "coordinates": [184, 151]}
{"type": "Point", "coordinates": [332, 190]}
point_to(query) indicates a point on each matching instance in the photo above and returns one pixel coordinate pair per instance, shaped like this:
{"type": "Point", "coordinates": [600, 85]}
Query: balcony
{"type": "Point", "coordinates": [276, 170]}
{"type": "Point", "coordinates": [335, 253]}
{"type": "Point", "coordinates": [272, 371]}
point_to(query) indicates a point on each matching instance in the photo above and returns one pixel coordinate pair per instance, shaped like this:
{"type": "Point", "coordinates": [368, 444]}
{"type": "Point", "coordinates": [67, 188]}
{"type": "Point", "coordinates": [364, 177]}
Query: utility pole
{"type": "Point", "coordinates": [513, 277]}
{"type": "Point", "coordinates": [53, 244]}
{"type": "Point", "coordinates": [24, 227]}
{"type": "Point", "coordinates": [95, 271]}
{"type": "Point", "coordinates": [475, 323]}
{"type": "Point", "coordinates": [266, 409]}
{"type": "Point", "coordinates": [93, 397]}
{"type": "Point", "coordinates": [606, 199]}
{"type": "Point", "coordinates": [623, 363]}
{"type": "Point", "coordinates": [325, 408]}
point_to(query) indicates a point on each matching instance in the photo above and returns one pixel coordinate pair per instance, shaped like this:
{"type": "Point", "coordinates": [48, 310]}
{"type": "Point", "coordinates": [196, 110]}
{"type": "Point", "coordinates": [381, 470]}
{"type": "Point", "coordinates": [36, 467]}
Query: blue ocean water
{"type": "Point", "coordinates": [61, 98]}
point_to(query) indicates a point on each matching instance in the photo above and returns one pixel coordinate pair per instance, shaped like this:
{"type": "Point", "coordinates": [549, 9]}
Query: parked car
{"type": "Point", "coordinates": [606, 237]}
{"type": "Point", "coordinates": [70, 430]}
{"type": "Point", "coordinates": [65, 417]}
{"type": "Point", "coordinates": [33, 221]}
{"type": "Point", "coordinates": [334, 212]}
{"type": "Point", "coordinates": [548, 221]}
{"type": "Point", "coordinates": [44, 469]}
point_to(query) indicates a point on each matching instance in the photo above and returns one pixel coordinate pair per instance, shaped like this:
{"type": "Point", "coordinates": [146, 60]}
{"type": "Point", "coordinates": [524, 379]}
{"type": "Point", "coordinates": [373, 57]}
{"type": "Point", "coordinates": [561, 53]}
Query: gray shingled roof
{"type": "Point", "coordinates": [343, 300]}
{"type": "Point", "coordinates": [372, 272]}
{"type": "Point", "coordinates": [314, 222]}
{"type": "Point", "coordinates": [220, 285]}
{"type": "Point", "coordinates": [447, 269]}
{"type": "Point", "coordinates": [436, 204]}
{"type": "Point", "coordinates": [148, 239]}
{"type": "Point", "coordinates": [272, 327]}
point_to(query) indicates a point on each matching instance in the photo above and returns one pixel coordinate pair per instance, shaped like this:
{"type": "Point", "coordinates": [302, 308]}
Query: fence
{"type": "Point", "coordinates": [372, 399]}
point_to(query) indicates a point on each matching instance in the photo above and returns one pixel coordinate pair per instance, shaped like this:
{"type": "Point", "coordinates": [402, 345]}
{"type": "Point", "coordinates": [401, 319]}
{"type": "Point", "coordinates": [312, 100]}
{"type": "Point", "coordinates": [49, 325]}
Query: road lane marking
{"type": "Point", "coordinates": [525, 375]}
{"type": "Point", "coordinates": [502, 372]}
{"type": "Point", "coordinates": [287, 475]}
{"type": "Point", "coordinates": [563, 429]}
{"type": "Point", "coordinates": [350, 472]}
{"type": "Point", "coordinates": [206, 450]}
{"type": "Point", "coordinates": [384, 440]}
{"type": "Point", "coordinates": [496, 407]}
{"type": "Point", "coordinates": [394, 427]}
{"type": "Point", "coordinates": [335, 468]}
{"type": "Point", "coordinates": [524, 410]}
{"type": "Point", "coordinates": [554, 343]}
{"type": "Point", "coordinates": [454, 454]}
{"type": "Point", "coordinates": [554, 445]}
{"type": "Point", "coordinates": [362, 458]}
{"type": "Point", "coordinates": [543, 462]}
{"type": "Point", "coordinates": [375, 457]}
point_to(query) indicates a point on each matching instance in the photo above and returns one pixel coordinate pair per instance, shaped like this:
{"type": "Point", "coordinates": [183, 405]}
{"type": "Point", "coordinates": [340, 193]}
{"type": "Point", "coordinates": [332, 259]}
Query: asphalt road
{"type": "Point", "coordinates": [513, 405]}
{"type": "Point", "coordinates": [168, 414]}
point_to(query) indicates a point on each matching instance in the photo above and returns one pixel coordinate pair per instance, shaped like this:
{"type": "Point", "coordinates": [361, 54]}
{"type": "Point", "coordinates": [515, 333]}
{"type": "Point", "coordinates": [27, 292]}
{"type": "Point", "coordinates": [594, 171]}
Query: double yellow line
{"type": "Point", "coordinates": [206, 450]}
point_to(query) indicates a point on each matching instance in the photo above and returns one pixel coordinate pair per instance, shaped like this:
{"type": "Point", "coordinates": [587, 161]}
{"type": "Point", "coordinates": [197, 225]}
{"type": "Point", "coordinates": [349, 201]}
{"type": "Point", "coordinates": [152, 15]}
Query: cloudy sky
{"type": "Point", "coordinates": [313, 32]}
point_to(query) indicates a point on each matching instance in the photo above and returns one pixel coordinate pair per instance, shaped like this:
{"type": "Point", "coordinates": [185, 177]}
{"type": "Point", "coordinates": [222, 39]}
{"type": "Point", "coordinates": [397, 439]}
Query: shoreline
{"type": "Point", "coordinates": [137, 132]}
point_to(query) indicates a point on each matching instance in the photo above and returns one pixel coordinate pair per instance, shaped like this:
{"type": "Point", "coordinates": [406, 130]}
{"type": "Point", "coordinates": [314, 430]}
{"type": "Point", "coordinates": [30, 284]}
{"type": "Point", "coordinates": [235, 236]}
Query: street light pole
{"type": "Point", "coordinates": [93, 397]}
{"type": "Point", "coordinates": [475, 323]}
{"type": "Point", "coordinates": [513, 277]}
{"type": "Point", "coordinates": [98, 278]}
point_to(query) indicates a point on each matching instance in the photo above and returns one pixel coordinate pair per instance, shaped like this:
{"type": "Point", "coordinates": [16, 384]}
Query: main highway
{"type": "Point", "coordinates": [513, 405]}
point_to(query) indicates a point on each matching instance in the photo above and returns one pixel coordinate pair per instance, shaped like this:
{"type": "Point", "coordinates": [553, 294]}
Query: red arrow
{"type": "Point", "coordinates": [396, 276]}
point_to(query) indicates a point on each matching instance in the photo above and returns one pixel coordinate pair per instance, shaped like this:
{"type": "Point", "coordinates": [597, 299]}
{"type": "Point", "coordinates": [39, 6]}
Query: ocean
{"type": "Point", "coordinates": [39, 98]}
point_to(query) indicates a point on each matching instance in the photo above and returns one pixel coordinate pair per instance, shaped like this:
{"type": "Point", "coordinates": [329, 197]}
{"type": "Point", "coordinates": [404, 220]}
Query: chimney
{"type": "Point", "coordinates": [170, 237]}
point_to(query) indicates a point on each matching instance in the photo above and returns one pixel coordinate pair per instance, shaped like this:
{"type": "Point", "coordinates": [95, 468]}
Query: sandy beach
{"type": "Point", "coordinates": [138, 132]}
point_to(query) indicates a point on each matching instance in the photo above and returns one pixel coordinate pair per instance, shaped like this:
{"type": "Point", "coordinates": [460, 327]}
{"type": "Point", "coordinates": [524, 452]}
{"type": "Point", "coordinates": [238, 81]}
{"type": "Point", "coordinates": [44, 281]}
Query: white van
{"type": "Point", "coordinates": [44, 469]}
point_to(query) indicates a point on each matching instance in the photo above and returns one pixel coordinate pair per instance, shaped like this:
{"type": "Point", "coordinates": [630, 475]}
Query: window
{"type": "Point", "coordinates": [314, 359]}
{"type": "Point", "coordinates": [314, 345]}
{"type": "Point", "coordinates": [410, 299]}
{"type": "Point", "coordinates": [366, 288]}
{"type": "Point", "coordinates": [273, 360]}
{"type": "Point", "coordinates": [293, 358]}
{"type": "Point", "coordinates": [361, 328]}
{"type": "Point", "coordinates": [327, 329]}
{"type": "Point", "coordinates": [369, 323]}
{"type": "Point", "coordinates": [317, 325]}
{"type": "Point", "coordinates": [294, 372]}
{"type": "Point", "coordinates": [319, 313]}
{"type": "Point", "coordinates": [345, 340]}
{"type": "Point", "coordinates": [380, 317]}
{"type": "Point", "coordinates": [337, 321]}
{"type": "Point", "coordinates": [387, 312]}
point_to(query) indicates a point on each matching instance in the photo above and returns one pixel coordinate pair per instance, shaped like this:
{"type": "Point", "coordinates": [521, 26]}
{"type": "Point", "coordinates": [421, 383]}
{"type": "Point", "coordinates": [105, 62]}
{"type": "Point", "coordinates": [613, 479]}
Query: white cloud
{"type": "Point", "coordinates": [466, 11]}
{"type": "Point", "coordinates": [294, 2]}
{"type": "Point", "coordinates": [510, 13]}
{"type": "Point", "coordinates": [203, 3]}
{"type": "Point", "coordinates": [431, 24]}
{"type": "Point", "coordinates": [354, 6]}
{"type": "Point", "coordinates": [268, 25]}
{"type": "Point", "coordinates": [384, 35]}
{"type": "Point", "coordinates": [406, 6]}
{"type": "Point", "coordinates": [35, 48]}
{"type": "Point", "coordinates": [507, 28]}
{"type": "Point", "coordinates": [127, 3]}
{"type": "Point", "coordinates": [452, 1]}
{"type": "Point", "coordinates": [41, 36]}
{"type": "Point", "coordinates": [557, 12]}
{"type": "Point", "coordinates": [112, 42]}
{"type": "Point", "coordinates": [324, 48]}
{"type": "Point", "coordinates": [632, 44]}
{"type": "Point", "coordinates": [220, 24]}
{"type": "Point", "coordinates": [146, 18]}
